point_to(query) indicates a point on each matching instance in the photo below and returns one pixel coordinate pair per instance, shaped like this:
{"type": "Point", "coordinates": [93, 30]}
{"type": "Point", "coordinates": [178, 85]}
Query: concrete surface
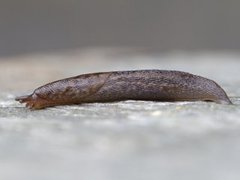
{"type": "Point", "coordinates": [132, 140]}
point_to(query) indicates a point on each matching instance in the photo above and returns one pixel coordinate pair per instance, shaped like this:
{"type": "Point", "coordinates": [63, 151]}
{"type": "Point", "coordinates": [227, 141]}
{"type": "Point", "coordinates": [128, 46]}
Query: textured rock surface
{"type": "Point", "coordinates": [125, 140]}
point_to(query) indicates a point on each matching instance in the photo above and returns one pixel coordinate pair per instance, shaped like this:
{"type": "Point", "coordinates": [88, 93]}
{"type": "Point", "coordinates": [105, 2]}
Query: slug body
{"type": "Point", "coordinates": [150, 85]}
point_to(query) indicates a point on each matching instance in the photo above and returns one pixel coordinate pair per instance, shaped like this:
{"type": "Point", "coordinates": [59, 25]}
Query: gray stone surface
{"type": "Point", "coordinates": [131, 140]}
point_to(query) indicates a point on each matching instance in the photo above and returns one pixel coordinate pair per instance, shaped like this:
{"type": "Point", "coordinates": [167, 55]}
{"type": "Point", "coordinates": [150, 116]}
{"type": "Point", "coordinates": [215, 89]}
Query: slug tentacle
{"type": "Point", "coordinates": [150, 85]}
{"type": "Point", "coordinates": [23, 99]}
{"type": "Point", "coordinates": [32, 101]}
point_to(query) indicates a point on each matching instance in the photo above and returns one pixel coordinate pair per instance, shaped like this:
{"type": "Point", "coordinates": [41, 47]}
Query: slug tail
{"type": "Point", "coordinates": [226, 101]}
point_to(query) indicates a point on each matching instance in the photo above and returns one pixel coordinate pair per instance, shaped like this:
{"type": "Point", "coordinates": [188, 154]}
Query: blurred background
{"type": "Point", "coordinates": [30, 26]}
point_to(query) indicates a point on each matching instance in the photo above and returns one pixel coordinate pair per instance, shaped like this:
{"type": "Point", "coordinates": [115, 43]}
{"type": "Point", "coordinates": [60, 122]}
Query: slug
{"type": "Point", "coordinates": [149, 85]}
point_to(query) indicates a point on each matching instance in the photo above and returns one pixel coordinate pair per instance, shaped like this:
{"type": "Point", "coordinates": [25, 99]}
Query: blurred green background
{"type": "Point", "coordinates": [30, 26]}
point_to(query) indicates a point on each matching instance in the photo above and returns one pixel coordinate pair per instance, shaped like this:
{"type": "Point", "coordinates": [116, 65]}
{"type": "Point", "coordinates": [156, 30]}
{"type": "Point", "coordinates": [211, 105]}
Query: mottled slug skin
{"type": "Point", "coordinates": [149, 85]}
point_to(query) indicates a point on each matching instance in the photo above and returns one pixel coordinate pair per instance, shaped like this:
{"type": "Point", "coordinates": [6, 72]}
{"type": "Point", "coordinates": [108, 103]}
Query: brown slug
{"type": "Point", "coordinates": [149, 85]}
